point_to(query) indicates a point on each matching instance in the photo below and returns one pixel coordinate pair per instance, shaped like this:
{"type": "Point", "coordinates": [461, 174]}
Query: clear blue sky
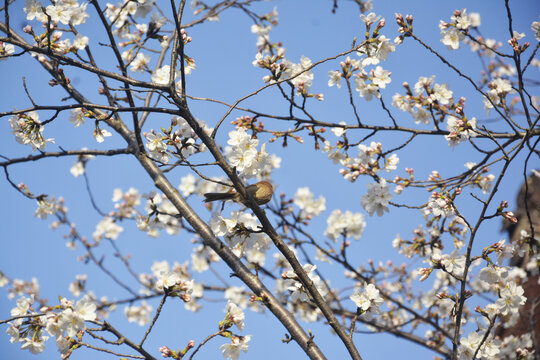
{"type": "Point", "coordinates": [223, 52]}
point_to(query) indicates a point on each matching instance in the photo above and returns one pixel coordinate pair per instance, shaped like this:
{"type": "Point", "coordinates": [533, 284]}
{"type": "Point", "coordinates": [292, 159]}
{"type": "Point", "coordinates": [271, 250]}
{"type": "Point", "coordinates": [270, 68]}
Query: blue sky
{"type": "Point", "coordinates": [223, 52]}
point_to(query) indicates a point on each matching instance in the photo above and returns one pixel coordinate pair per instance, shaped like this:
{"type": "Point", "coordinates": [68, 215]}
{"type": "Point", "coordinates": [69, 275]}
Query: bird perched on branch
{"type": "Point", "coordinates": [261, 193]}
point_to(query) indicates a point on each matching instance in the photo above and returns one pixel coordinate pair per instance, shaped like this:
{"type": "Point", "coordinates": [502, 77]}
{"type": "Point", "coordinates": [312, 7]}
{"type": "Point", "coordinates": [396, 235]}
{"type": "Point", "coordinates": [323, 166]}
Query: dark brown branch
{"type": "Point", "coordinates": [64, 153]}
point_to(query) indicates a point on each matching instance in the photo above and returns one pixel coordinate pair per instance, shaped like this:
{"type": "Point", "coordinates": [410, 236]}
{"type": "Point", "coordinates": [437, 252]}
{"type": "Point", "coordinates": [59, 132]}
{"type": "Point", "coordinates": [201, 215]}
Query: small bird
{"type": "Point", "coordinates": [261, 192]}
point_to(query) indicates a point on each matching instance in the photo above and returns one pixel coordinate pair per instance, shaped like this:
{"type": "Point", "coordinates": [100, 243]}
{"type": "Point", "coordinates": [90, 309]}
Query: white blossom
{"type": "Point", "coordinates": [451, 38]}
{"type": "Point", "coordinates": [348, 224]}
{"type": "Point", "coordinates": [367, 300]}
{"type": "Point", "coordinates": [107, 228]}
{"type": "Point", "coordinates": [232, 350]}
{"type": "Point", "coordinates": [305, 200]}
{"type": "Point", "coordinates": [161, 75]}
{"type": "Point", "coordinates": [377, 198]}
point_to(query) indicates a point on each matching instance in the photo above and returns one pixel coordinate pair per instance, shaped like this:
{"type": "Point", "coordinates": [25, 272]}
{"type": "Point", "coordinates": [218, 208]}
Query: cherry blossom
{"type": "Point", "coordinates": [377, 198]}
{"type": "Point", "coordinates": [232, 350]}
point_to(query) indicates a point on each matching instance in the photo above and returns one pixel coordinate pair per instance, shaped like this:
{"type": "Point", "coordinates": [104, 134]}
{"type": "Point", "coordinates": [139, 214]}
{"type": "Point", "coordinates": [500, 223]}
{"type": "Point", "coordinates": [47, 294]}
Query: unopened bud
{"type": "Point", "coordinates": [399, 19]}
{"type": "Point", "coordinates": [441, 295]}
{"type": "Point", "coordinates": [509, 215]}
{"type": "Point", "coordinates": [165, 351]}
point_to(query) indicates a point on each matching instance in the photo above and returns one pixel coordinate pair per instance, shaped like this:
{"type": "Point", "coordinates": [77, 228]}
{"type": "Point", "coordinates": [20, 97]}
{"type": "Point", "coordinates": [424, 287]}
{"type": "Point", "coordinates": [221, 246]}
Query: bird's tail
{"type": "Point", "coordinates": [218, 196]}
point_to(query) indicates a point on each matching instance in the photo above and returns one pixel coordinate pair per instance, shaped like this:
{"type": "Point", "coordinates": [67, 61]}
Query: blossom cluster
{"type": "Point", "coordinates": [297, 290]}
{"type": "Point", "coordinates": [282, 69]}
{"type": "Point", "coordinates": [47, 205]}
{"type": "Point", "coordinates": [507, 306]}
{"type": "Point", "coordinates": [367, 83]}
{"type": "Point", "coordinates": [79, 116]}
{"type": "Point", "coordinates": [119, 14]}
{"type": "Point", "coordinates": [496, 95]}
{"type": "Point", "coordinates": [367, 162]}
{"type": "Point", "coordinates": [234, 317]}
{"type": "Point", "coordinates": [374, 49]}
{"type": "Point", "coordinates": [141, 314]}
{"type": "Point", "coordinates": [159, 213]}
{"type": "Point", "coordinates": [179, 136]}
{"type": "Point", "coordinates": [59, 43]}
{"type": "Point", "coordinates": [368, 301]}
{"type": "Point", "coordinates": [454, 32]}
{"type": "Point", "coordinates": [175, 281]}
{"type": "Point", "coordinates": [305, 200]}
{"type": "Point", "coordinates": [190, 185]}
{"type": "Point", "coordinates": [64, 12]}
{"type": "Point", "coordinates": [426, 96]}
{"type": "Point", "coordinates": [346, 224]}
{"type": "Point", "coordinates": [107, 228]}
{"type": "Point", "coordinates": [460, 129]}
{"type": "Point", "coordinates": [201, 258]}
{"type": "Point", "coordinates": [246, 158]}
{"type": "Point", "coordinates": [28, 130]}
{"type": "Point", "coordinates": [64, 325]}
{"type": "Point", "coordinates": [241, 233]}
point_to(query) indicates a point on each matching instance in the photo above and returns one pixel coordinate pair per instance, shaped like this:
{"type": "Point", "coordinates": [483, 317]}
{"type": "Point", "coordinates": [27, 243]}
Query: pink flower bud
{"type": "Point", "coordinates": [508, 215]}
{"type": "Point", "coordinates": [441, 295]}
{"type": "Point", "coordinates": [165, 351]}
